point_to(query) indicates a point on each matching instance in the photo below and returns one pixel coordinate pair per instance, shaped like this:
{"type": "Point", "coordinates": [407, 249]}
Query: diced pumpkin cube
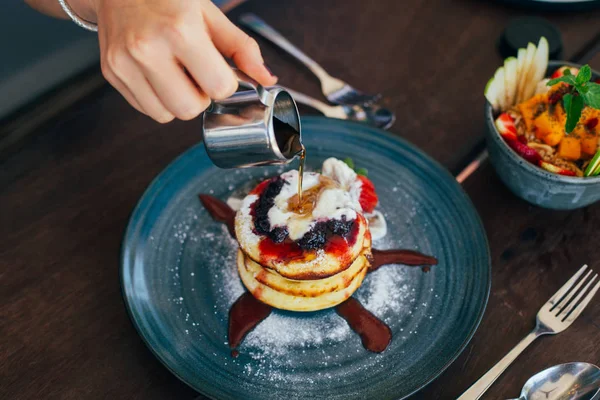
{"type": "Point", "coordinates": [590, 120]}
{"type": "Point", "coordinates": [588, 114]}
{"type": "Point", "coordinates": [570, 148]}
{"type": "Point", "coordinates": [560, 114]}
{"type": "Point", "coordinates": [589, 145]}
{"type": "Point", "coordinates": [529, 109]}
{"type": "Point", "coordinates": [548, 129]}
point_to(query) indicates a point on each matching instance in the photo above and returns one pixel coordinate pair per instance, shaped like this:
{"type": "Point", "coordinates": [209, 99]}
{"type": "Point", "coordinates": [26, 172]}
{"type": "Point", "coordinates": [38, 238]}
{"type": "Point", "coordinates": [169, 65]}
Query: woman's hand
{"type": "Point", "coordinates": [167, 57]}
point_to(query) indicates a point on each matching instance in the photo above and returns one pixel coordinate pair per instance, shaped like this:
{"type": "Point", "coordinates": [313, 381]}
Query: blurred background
{"type": "Point", "coordinates": [38, 53]}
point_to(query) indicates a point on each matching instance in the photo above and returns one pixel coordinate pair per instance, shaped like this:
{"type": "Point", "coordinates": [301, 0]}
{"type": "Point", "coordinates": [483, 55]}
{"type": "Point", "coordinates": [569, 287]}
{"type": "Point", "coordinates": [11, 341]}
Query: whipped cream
{"type": "Point", "coordinates": [333, 203]}
{"type": "Point", "coordinates": [337, 202]}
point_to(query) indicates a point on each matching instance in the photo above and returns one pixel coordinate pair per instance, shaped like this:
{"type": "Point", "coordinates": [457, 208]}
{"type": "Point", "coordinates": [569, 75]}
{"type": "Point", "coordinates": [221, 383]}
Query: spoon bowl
{"type": "Point", "coordinates": [571, 381]}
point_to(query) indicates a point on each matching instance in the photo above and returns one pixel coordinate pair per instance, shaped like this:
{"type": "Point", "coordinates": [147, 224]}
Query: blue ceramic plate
{"type": "Point", "coordinates": [179, 280]}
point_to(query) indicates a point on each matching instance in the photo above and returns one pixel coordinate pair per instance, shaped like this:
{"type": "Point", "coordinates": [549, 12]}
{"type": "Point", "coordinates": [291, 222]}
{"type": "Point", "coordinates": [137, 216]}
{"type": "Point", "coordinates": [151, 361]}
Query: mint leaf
{"type": "Point", "coordinates": [362, 171]}
{"type": "Point", "coordinates": [584, 75]}
{"type": "Point", "coordinates": [570, 79]}
{"type": "Point", "coordinates": [592, 95]}
{"type": "Point", "coordinates": [573, 107]}
{"type": "Point", "coordinates": [567, 71]}
{"type": "Point", "coordinates": [349, 162]}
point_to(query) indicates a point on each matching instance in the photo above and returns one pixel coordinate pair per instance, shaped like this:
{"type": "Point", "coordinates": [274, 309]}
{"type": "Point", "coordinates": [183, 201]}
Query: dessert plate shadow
{"type": "Point", "coordinates": [179, 279]}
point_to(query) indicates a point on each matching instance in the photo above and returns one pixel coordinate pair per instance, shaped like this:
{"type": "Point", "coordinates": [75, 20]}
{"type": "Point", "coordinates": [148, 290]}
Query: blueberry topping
{"type": "Point", "coordinates": [315, 238]}
{"type": "Point", "coordinates": [265, 201]}
{"type": "Point", "coordinates": [278, 234]}
{"type": "Point", "coordinates": [340, 227]}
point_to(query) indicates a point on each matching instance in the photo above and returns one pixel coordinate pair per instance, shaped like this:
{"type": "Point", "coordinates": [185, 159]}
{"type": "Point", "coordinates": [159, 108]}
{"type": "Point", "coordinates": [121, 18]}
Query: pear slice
{"type": "Point", "coordinates": [526, 73]}
{"type": "Point", "coordinates": [521, 56]}
{"type": "Point", "coordinates": [500, 88]}
{"type": "Point", "coordinates": [491, 93]}
{"type": "Point", "coordinates": [539, 66]}
{"type": "Point", "coordinates": [510, 81]}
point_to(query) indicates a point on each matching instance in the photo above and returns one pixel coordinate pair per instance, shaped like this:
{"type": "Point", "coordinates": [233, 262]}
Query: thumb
{"type": "Point", "coordinates": [234, 43]}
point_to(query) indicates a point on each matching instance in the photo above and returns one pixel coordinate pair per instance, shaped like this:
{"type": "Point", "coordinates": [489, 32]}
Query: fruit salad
{"type": "Point", "coordinates": [552, 123]}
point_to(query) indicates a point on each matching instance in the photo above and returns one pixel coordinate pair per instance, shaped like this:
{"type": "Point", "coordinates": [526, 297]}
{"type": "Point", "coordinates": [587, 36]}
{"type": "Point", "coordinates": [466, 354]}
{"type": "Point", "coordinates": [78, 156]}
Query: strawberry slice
{"type": "Point", "coordinates": [561, 71]}
{"type": "Point", "coordinates": [368, 198]}
{"type": "Point", "coordinates": [556, 169]}
{"type": "Point", "coordinates": [506, 126]}
{"type": "Point", "coordinates": [524, 151]}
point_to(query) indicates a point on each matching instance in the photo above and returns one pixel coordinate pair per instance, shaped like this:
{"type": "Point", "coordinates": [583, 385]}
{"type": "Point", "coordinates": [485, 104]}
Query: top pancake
{"type": "Point", "coordinates": [315, 240]}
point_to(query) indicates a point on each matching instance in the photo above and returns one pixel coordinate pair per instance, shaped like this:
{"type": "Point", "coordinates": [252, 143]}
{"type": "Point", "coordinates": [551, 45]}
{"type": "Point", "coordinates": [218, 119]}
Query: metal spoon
{"type": "Point", "coordinates": [373, 115]}
{"type": "Point", "coordinates": [572, 381]}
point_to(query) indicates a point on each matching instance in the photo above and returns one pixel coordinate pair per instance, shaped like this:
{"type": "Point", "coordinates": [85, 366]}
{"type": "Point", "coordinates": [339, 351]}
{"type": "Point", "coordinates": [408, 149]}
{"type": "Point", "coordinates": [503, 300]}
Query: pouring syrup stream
{"type": "Point", "coordinates": [301, 173]}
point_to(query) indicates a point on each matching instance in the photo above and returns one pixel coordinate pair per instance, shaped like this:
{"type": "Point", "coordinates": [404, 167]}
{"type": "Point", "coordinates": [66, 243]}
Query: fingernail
{"type": "Point", "coordinates": [268, 69]}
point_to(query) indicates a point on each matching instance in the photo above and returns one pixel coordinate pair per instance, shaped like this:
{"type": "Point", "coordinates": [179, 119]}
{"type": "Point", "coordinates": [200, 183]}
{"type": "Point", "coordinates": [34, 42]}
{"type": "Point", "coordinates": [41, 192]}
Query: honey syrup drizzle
{"type": "Point", "coordinates": [301, 173]}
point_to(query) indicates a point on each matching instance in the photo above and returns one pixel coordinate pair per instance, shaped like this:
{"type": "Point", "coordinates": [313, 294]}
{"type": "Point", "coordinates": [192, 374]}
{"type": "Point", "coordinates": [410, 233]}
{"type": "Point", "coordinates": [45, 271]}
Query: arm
{"type": "Point", "coordinates": [168, 58]}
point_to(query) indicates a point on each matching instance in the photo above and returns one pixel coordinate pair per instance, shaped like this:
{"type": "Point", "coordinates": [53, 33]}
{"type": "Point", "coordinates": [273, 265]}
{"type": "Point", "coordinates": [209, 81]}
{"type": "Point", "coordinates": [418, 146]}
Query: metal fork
{"type": "Point", "coordinates": [373, 115]}
{"type": "Point", "coordinates": [554, 317]}
{"type": "Point", "coordinates": [336, 90]}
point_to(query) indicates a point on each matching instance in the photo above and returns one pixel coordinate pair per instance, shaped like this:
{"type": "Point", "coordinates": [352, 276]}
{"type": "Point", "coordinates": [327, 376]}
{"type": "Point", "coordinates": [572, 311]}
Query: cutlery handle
{"type": "Point", "coordinates": [262, 28]}
{"type": "Point", "coordinates": [483, 384]}
{"type": "Point", "coordinates": [309, 101]}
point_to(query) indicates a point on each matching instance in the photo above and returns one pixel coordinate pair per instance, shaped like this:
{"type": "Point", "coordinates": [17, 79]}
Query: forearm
{"type": "Point", "coordinates": [83, 8]}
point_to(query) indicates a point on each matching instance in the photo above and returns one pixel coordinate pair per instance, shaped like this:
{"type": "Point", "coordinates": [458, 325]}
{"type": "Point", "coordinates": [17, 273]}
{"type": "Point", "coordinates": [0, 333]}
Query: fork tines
{"type": "Point", "coordinates": [569, 301]}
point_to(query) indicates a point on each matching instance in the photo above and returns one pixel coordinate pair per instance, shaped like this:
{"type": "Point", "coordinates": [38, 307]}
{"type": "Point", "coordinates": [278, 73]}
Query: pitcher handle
{"type": "Point", "coordinates": [246, 82]}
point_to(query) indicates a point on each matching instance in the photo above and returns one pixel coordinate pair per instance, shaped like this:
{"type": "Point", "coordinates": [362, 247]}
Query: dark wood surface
{"type": "Point", "coordinates": [65, 199]}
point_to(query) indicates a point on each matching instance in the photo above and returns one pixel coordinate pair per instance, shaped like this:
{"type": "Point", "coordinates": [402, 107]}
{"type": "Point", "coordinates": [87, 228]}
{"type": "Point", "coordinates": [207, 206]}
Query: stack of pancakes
{"type": "Point", "coordinates": [289, 292]}
{"type": "Point", "coordinates": [303, 277]}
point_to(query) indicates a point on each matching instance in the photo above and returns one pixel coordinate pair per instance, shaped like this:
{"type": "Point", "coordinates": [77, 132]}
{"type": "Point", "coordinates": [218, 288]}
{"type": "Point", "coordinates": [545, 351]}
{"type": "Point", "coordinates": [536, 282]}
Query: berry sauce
{"type": "Point", "coordinates": [286, 250]}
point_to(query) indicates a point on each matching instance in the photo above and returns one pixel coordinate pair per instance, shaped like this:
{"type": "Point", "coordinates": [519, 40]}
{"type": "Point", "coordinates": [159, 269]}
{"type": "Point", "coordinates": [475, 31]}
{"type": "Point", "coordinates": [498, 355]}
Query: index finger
{"type": "Point", "coordinates": [234, 43]}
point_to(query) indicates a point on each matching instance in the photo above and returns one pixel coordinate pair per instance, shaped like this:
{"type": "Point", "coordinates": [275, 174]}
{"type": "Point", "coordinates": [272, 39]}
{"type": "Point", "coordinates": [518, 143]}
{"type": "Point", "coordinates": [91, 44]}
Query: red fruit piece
{"type": "Point", "coordinates": [260, 187]}
{"type": "Point", "coordinates": [524, 151]}
{"type": "Point", "coordinates": [555, 97]}
{"type": "Point", "coordinates": [368, 198]}
{"type": "Point", "coordinates": [506, 126]}
{"type": "Point", "coordinates": [556, 169]}
{"type": "Point", "coordinates": [592, 123]}
{"type": "Point", "coordinates": [561, 71]}
{"type": "Point", "coordinates": [598, 80]}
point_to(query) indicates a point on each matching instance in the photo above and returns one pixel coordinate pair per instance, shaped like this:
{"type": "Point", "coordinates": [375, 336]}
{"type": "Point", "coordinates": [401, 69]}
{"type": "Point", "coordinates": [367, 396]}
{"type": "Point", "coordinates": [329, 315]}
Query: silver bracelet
{"type": "Point", "coordinates": [90, 26]}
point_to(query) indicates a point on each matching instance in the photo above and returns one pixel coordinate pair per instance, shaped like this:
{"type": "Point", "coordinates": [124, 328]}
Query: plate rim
{"type": "Point", "coordinates": [132, 221]}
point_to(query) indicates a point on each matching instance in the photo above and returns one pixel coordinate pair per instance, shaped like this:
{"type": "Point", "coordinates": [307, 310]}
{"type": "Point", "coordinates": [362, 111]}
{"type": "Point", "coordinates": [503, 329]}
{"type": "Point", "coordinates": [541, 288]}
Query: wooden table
{"type": "Point", "coordinates": [66, 196]}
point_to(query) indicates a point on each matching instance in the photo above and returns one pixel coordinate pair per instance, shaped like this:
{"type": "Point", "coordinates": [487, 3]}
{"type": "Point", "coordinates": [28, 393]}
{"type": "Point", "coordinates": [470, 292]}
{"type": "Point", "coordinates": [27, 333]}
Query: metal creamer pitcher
{"type": "Point", "coordinates": [251, 128]}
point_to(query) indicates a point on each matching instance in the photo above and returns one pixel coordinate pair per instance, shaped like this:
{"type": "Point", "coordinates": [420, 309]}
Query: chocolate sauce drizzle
{"type": "Point", "coordinates": [404, 257]}
{"type": "Point", "coordinates": [247, 312]}
{"type": "Point", "coordinates": [244, 315]}
{"type": "Point", "coordinates": [374, 333]}
{"type": "Point", "coordinates": [219, 211]}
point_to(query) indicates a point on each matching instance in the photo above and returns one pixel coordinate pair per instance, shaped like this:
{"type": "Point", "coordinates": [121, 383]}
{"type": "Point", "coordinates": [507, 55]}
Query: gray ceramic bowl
{"type": "Point", "coordinates": [533, 183]}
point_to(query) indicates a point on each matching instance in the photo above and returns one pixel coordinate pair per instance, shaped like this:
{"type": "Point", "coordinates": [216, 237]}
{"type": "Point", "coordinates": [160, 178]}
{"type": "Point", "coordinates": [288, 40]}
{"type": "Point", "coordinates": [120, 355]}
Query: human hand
{"type": "Point", "coordinates": [167, 57]}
